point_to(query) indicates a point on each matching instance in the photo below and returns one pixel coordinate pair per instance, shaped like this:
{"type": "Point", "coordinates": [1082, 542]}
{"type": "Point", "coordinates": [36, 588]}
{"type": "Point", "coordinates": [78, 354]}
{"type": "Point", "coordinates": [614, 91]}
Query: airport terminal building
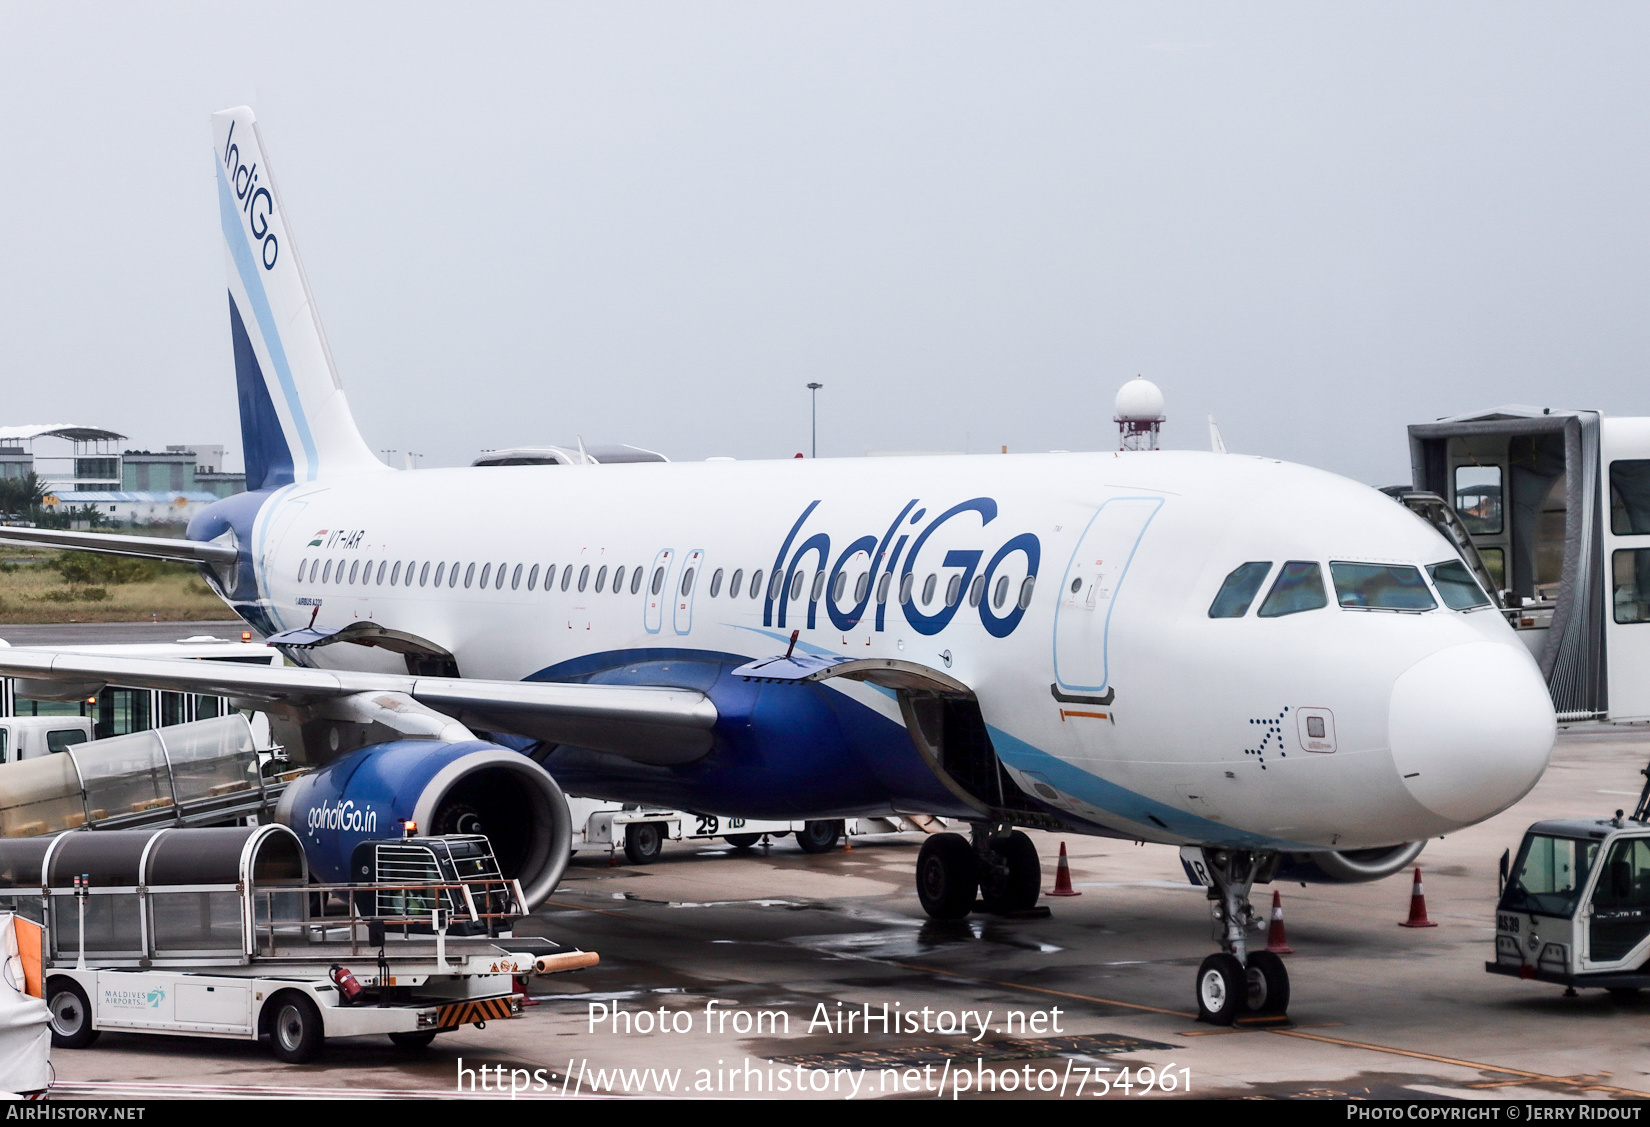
{"type": "Point", "coordinates": [84, 466]}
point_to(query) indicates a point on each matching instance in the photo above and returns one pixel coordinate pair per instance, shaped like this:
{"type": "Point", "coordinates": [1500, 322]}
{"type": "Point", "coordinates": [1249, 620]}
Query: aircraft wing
{"type": "Point", "coordinates": [148, 547]}
{"type": "Point", "coordinates": [643, 723]}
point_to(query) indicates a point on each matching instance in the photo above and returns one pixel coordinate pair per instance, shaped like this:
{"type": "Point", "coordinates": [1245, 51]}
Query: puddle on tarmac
{"type": "Point", "coordinates": [922, 939]}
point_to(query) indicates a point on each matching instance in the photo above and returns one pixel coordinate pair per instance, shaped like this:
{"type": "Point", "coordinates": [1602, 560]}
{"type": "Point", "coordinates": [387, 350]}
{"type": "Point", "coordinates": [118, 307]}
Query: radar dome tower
{"type": "Point", "coordinates": [1138, 415]}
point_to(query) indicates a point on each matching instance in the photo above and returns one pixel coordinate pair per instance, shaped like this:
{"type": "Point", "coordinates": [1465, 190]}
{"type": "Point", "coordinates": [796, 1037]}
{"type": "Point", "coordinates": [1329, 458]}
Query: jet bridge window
{"type": "Point", "coordinates": [1298, 587]}
{"type": "Point", "coordinates": [1456, 586]}
{"type": "Point", "coordinates": [1630, 498]}
{"type": "Point", "coordinates": [1478, 498]}
{"type": "Point", "coordinates": [1360, 586]}
{"type": "Point", "coordinates": [1238, 590]}
{"type": "Point", "coordinates": [1630, 584]}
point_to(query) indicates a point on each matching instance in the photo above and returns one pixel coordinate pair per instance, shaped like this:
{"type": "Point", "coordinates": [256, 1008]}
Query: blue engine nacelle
{"type": "Point", "coordinates": [446, 788]}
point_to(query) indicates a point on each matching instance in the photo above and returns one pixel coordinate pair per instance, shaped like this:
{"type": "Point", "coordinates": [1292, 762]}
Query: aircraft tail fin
{"type": "Point", "coordinates": [295, 422]}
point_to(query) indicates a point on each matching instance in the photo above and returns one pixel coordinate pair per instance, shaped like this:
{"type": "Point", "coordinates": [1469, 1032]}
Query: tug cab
{"type": "Point", "coordinates": [1575, 909]}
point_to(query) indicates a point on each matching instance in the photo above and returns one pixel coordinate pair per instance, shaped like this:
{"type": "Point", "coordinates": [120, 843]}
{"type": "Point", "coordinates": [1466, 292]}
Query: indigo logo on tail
{"type": "Point", "coordinates": [257, 205]}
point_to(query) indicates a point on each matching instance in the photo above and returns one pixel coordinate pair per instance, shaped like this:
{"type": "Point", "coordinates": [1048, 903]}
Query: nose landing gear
{"type": "Point", "coordinates": [1236, 981]}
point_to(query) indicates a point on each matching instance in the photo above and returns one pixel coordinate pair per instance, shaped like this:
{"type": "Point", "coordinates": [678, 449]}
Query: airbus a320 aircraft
{"type": "Point", "coordinates": [1230, 653]}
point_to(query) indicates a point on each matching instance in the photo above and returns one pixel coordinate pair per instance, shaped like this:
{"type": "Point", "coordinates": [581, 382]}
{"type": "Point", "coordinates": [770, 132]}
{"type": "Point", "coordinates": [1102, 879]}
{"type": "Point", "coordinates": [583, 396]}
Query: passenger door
{"type": "Point", "coordinates": [1089, 591]}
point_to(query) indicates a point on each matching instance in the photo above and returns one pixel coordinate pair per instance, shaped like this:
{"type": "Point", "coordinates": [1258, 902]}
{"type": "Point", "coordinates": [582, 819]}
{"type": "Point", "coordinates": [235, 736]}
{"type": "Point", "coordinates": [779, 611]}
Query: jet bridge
{"type": "Point", "coordinates": [1528, 484]}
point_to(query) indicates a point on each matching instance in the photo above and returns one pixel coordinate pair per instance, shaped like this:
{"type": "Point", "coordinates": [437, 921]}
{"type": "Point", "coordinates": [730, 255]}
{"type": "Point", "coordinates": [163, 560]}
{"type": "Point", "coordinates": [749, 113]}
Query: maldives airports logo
{"type": "Point", "coordinates": [134, 999]}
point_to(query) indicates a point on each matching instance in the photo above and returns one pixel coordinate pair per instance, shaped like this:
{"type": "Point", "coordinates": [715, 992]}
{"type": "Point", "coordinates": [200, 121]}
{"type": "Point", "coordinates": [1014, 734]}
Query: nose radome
{"type": "Point", "coordinates": [1472, 728]}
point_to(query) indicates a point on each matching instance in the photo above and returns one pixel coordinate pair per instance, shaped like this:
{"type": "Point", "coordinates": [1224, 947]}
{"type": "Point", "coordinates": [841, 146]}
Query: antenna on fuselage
{"type": "Point", "coordinates": [1138, 414]}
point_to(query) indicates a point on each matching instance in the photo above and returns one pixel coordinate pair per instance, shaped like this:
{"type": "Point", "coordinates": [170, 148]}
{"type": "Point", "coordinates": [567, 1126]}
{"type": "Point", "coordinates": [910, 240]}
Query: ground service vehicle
{"type": "Point", "coordinates": [1576, 906]}
{"type": "Point", "coordinates": [219, 933]}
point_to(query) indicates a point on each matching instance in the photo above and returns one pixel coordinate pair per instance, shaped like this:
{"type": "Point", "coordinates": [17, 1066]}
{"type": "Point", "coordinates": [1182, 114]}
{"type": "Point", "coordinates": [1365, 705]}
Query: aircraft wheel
{"type": "Point", "coordinates": [71, 1014]}
{"type": "Point", "coordinates": [643, 842]}
{"type": "Point", "coordinates": [741, 842]}
{"type": "Point", "coordinates": [1018, 888]}
{"type": "Point", "coordinates": [819, 837]}
{"type": "Point", "coordinates": [947, 876]}
{"type": "Point", "coordinates": [1268, 982]}
{"type": "Point", "coordinates": [295, 1033]}
{"type": "Point", "coordinates": [1222, 989]}
{"type": "Point", "coordinates": [412, 1040]}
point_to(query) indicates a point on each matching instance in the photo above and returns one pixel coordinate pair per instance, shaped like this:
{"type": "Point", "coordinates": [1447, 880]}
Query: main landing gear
{"type": "Point", "coordinates": [1235, 981]}
{"type": "Point", "coordinates": [999, 865]}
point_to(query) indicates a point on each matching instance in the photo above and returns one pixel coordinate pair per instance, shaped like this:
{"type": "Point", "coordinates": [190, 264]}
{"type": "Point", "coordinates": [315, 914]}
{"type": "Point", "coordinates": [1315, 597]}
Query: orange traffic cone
{"type": "Point", "coordinates": [1417, 905]}
{"type": "Point", "coordinates": [1276, 941]}
{"type": "Point", "coordinates": [1062, 877]}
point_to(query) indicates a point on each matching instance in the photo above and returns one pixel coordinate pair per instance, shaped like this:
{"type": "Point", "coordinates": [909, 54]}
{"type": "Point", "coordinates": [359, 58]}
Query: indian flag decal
{"type": "Point", "coordinates": [316, 543]}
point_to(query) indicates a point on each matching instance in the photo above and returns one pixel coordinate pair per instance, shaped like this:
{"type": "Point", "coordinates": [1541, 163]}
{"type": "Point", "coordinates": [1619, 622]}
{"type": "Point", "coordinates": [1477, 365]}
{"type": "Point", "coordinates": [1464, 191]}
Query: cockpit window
{"type": "Point", "coordinates": [1360, 586]}
{"type": "Point", "coordinates": [1456, 586]}
{"type": "Point", "coordinates": [1298, 587]}
{"type": "Point", "coordinates": [1239, 590]}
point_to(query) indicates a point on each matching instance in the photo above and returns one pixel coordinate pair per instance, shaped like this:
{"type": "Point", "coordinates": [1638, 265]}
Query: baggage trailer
{"type": "Point", "coordinates": [219, 933]}
{"type": "Point", "coordinates": [643, 830]}
{"type": "Point", "coordinates": [1575, 909]}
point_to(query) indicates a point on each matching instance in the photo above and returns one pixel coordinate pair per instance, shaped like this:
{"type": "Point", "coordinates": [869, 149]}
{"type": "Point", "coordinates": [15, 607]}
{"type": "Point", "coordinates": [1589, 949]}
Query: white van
{"type": "Point", "coordinates": [29, 737]}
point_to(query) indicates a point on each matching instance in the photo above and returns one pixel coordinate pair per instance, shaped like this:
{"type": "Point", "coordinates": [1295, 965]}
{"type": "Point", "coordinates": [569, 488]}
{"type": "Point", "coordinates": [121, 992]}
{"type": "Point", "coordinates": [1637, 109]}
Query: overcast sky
{"type": "Point", "coordinates": [971, 222]}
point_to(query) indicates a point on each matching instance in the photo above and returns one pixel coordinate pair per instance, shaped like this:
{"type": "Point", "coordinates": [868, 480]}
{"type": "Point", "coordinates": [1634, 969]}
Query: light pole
{"type": "Point", "coordinates": [813, 449]}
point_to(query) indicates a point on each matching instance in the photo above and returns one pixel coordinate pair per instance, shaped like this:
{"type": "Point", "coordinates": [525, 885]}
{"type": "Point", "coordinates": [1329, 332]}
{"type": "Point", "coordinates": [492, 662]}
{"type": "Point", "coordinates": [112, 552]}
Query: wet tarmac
{"type": "Point", "coordinates": [727, 973]}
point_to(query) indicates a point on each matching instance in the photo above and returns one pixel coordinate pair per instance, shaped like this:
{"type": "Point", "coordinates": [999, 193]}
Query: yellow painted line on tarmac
{"type": "Point", "coordinates": [1582, 1082]}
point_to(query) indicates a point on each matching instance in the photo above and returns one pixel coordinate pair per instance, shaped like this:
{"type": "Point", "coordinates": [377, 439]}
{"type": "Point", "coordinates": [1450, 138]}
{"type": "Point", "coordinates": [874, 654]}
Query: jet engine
{"type": "Point", "coordinates": [463, 787]}
{"type": "Point", "coordinates": [1352, 866]}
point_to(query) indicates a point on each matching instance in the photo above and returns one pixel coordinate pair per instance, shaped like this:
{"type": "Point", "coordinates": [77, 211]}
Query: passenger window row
{"type": "Point", "coordinates": [816, 588]}
{"type": "Point", "coordinates": [1299, 587]}
{"type": "Point", "coordinates": [395, 573]}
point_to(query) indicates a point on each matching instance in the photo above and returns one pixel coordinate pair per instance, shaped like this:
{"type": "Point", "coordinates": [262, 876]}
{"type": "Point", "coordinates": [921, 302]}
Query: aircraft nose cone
{"type": "Point", "coordinates": [1472, 728]}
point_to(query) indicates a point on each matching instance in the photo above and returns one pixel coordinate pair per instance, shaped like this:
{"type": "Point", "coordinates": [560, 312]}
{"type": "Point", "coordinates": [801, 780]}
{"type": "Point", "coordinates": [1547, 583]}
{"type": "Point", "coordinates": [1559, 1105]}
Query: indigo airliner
{"type": "Point", "coordinates": [1245, 658]}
